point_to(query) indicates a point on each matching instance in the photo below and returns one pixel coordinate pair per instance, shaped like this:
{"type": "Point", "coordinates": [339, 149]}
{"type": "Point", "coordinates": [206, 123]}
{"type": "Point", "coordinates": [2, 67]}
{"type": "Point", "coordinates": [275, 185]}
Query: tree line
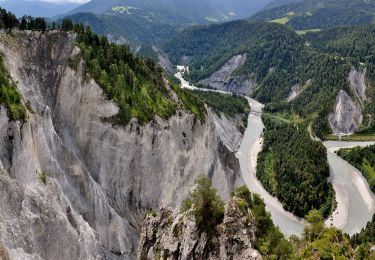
{"type": "Point", "coordinates": [294, 168]}
{"type": "Point", "coordinates": [9, 21]}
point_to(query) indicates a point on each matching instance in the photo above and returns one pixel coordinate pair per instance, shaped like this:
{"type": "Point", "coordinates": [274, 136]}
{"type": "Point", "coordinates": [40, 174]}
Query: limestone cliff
{"type": "Point", "coordinates": [225, 78]}
{"type": "Point", "coordinates": [348, 110]}
{"type": "Point", "coordinates": [347, 115]}
{"type": "Point", "coordinates": [100, 177]}
{"type": "Point", "coordinates": [174, 235]}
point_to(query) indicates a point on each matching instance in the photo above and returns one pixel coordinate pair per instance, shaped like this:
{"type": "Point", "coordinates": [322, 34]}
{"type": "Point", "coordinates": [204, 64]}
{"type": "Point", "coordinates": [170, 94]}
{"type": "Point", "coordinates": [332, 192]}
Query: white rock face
{"type": "Point", "coordinates": [347, 115]}
{"type": "Point", "coordinates": [224, 79]}
{"type": "Point", "coordinates": [296, 90]}
{"type": "Point", "coordinates": [358, 85]}
{"type": "Point", "coordinates": [101, 177]}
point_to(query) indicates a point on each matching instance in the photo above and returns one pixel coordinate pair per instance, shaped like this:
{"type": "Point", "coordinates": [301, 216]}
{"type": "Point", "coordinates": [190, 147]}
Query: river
{"type": "Point", "coordinates": [355, 201]}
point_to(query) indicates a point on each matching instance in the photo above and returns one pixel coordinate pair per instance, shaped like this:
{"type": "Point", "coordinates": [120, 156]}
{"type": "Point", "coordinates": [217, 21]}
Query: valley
{"type": "Point", "coordinates": [355, 201]}
{"type": "Point", "coordinates": [160, 129]}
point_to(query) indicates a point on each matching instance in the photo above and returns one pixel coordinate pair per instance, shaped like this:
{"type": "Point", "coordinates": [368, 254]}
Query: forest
{"type": "Point", "coordinates": [137, 85]}
{"type": "Point", "coordinates": [363, 159]}
{"type": "Point", "coordinates": [321, 14]}
{"type": "Point", "coordinates": [230, 105]}
{"type": "Point", "coordinates": [294, 168]}
{"type": "Point", "coordinates": [278, 58]}
{"type": "Point", "coordinates": [365, 239]}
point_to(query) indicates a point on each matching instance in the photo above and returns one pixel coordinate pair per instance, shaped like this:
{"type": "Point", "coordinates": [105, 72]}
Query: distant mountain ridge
{"type": "Point", "coordinates": [277, 3]}
{"type": "Point", "coordinates": [318, 14]}
{"type": "Point", "coordinates": [150, 21]}
{"type": "Point", "coordinates": [193, 10]}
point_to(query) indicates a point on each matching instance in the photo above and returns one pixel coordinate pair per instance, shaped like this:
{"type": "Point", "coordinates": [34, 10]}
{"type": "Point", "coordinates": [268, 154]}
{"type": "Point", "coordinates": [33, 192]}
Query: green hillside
{"type": "Point", "coordinates": [152, 21]}
{"type": "Point", "coordinates": [320, 14]}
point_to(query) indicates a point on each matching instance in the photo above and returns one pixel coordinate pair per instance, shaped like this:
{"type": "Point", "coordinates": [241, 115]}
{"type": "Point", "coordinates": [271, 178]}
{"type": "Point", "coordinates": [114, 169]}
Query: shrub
{"type": "Point", "coordinates": [208, 208]}
{"type": "Point", "coordinates": [43, 177]}
{"type": "Point", "coordinates": [315, 226]}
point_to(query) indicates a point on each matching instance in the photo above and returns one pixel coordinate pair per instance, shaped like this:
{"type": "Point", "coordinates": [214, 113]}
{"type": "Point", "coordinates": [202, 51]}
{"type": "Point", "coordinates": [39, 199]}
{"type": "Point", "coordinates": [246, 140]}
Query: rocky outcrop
{"type": "Point", "coordinates": [101, 177]}
{"type": "Point", "coordinates": [358, 85]}
{"type": "Point", "coordinates": [224, 78]}
{"type": "Point", "coordinates": [347, 115]}
{"type": "Point", "coordinates": [174, 235]}
{"type": "Point", "coordinates": [164, 61]}
{"type": "Point", "coordinates": [296, 90]}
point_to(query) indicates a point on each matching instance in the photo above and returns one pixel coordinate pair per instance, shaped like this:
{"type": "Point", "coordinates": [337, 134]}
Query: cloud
{"type": "Point", "coordinates": [66, 1]}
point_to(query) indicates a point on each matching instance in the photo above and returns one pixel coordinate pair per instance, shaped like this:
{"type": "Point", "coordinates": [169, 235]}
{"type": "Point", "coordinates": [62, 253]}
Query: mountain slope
{"type": "Point", "coordinates": [320, 14]}
{"type": "Point", "coordinates": [152, 21]}
{"type": "Point", "coordinates": [322, 82]}
{"type": "Point", "coordinates": [284, 67]}
{"type": "Point", "coordinates": [70, 170]}
{"type": "Point", "coordinates": [193, 11]}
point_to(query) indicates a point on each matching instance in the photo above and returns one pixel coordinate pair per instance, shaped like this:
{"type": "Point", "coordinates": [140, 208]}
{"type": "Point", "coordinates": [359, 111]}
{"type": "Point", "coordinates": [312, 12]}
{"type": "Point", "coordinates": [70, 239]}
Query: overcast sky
{"type": "Point", "coordinates": [66, 1]}
{"type": "Point", "coordinates": [55, 1]}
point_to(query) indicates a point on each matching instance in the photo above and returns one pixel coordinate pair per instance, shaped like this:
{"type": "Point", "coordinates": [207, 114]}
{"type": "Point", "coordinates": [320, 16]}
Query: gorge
{"type": "Point", "coordinates": [355, 200]}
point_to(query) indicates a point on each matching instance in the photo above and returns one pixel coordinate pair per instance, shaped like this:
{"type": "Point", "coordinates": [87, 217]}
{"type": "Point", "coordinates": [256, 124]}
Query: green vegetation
{"type": "Point", "coordinates": [294, 168]}
{"type": "Point", "coordinates": [208, 208]}
{"type": "Point", "coordinates": [230, 105]}
{"type": "Point", "coordinates": [9, 95]}
{"type": "Point", "coordinates": [282, 20]}
{"type": "Point", "coordinates": [277, 57]}
{"type": "Point", "coordinates": [317, 241]}
{"type": "Point", "coordinates": [321, 14]}
{"type": "Point", "coordinates": [137, 85]}
{"type": "Point", "coordinates": [363, 159]}
{"type": "Point", "coordinates": [9, 21]}
{"type": "Point", "coordinates": [320, 242]}
{"type": "Point", "coordinates": [42, 177]}
{"type": "Point", "coordinates": [364, 240]}
{"type": "Point", "coordinates": [367, 234]}
{"type": "Point", "coordinates": [209, 47]}
{"type": "Point", "coordinates": [134, 25]}
{"type": "Point", "coordinates": [270, 242]}
{"type": "Point", "coordinates": [354, 137]}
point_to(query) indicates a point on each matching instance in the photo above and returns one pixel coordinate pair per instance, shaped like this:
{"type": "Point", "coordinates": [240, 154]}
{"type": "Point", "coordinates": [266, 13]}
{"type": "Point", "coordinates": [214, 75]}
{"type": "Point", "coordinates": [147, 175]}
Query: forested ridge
{"type": "Point", "coordinates": [138, 86]}
{"type": "Point", "coordinates": [294, 168]}
{"type": "Point", "coordinates": [320, 14]}
{"type": "Point", "coordinates": [276, 57]}
{"type": "Point", "coordinates": [229, 105]}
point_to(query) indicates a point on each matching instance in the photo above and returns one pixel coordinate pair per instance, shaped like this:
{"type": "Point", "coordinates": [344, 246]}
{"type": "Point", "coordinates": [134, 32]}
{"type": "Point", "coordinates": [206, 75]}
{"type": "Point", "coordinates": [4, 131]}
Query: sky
{"type": "Point", "coordinates": [66, 1]}
{"type": "Point", "coordinates": [53, 1]}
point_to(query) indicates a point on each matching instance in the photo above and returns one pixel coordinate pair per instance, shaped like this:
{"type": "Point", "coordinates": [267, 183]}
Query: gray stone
{"type": "Point", "coordinates": [225, 78]}
{"type": "Point", "coordinates": [347, 115]}
{"type": "Point", "coordinates": [174, 235]}
{"type": "Point", "coordinates": [101, 177]}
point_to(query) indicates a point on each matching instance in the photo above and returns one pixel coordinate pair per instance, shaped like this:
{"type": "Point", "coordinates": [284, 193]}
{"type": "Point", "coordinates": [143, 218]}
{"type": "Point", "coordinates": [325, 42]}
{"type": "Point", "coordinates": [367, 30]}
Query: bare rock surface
{"type": "Point", "coordinates": [225, 78]}
{"type": "Point", "coordinates": [174, 235]}
{"type": "Point", "coordinates": [358, 85]}
{"type": "Point", "coordinates": [297, 90]}
{"type": "Point", "coordinates": [101, 177]}
{"type": "Point", "coordinates": [347, 115]}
